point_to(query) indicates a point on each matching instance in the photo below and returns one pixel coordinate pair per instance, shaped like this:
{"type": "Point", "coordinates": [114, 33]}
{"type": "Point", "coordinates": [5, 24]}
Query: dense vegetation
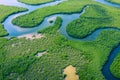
{"type": "Point", "coordinates": [115, 67]}
{"type": "Point", "coordinates": [5, 11]}
{"type": "Point", "coordinates": [18, 56]}
{"type": "Point", "coordinates": [34, 1]}
{"type": "Point", "coordinates": [36, 17]}
{"type": "Point", "coordinates": [95, 17]}
{"type": "Point", "coordinates": [60, 53]}
{"type": "Point", "coordinates": [114, 1]}
{"type": "Point", "coordinates": [3, 32]}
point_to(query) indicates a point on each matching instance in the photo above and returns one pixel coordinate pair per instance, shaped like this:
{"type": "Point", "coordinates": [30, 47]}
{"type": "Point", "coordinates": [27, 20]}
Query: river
{"type": "Point", "coordinates": [15, 31]}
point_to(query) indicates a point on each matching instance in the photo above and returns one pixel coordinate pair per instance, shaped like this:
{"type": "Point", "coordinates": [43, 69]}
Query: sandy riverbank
{"type": "Point", "coordinates": [31, 36]}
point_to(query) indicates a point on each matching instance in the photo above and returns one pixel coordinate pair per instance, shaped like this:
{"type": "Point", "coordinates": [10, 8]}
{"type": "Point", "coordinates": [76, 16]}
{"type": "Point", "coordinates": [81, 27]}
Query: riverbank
{"type": "Point", "coordinates": [31, 36]}
{"type": "Point", "coordinates": [33, 19]}
{"type": "Point", "coordinates": [5, 12]}
{"type": "Point", "coordinates": [19, 61]}
{"type": "Point", "coordinates": [114, 68]}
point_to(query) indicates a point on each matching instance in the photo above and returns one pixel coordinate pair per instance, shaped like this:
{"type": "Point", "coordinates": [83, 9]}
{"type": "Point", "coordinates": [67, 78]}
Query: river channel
{"type": "Point", "coordinates": [15, 31]}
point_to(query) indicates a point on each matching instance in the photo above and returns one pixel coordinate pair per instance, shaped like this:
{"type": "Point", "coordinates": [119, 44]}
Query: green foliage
{"type": "Point", "coordinates": [18, 56]}
{"type": "Point", "coordinates": [36, 17]}
{"type": "Point", "coordinates": [95, 17]}
{"type": "Point", "coordinates": [5, 11]}
{"type": "Point", "coordinates": [34, 2]}
{"type": "Point", "coordinates": [97, 52]}
{"type": "Point", "coordinates": [14, 67]}
{"type": "Point", "coordinates": [115, 67]}
{"type": "Point", "coordinates": [52, 29]}
{"type": "Point", "coordinates": [3, 32]}
{"type": "Point", "coordinates": [60, 53]}
{"type": "Point", "coordinates": [2, 44]}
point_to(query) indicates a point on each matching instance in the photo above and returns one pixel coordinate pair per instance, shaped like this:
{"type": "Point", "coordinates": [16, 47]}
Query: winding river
{"type": "Point", "coordinates": [14, 30]}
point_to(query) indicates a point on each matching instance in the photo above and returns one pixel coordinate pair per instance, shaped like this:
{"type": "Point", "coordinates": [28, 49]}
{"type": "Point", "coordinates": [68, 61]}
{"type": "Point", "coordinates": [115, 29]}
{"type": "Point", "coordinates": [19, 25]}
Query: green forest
{"type": "Point", "coordinates": [19, 56]}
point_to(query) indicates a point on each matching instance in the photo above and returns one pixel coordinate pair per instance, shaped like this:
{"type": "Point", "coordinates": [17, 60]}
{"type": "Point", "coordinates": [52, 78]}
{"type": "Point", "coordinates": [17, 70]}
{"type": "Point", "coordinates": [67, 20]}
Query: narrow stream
{"type": "Point", "coordinates": [14, 30]}
{"type": "Point", "coordinates": [106, 68]}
